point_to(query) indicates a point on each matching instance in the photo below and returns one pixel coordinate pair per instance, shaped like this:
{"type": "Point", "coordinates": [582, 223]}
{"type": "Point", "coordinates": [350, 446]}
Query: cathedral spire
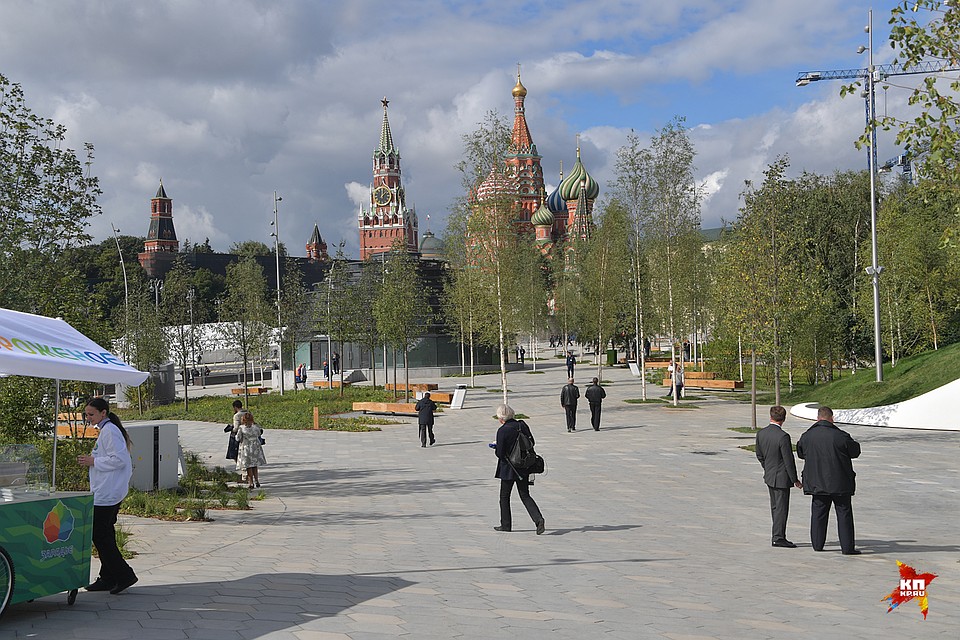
{"type": "Point", "coordinates": [386, 137]}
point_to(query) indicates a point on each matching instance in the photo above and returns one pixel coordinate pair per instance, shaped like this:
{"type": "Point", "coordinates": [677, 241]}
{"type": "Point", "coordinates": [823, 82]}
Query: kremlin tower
{"type": "Point", "coordinates": [388, 218]}
{"type": "Point", "coordinates": [161, 246]}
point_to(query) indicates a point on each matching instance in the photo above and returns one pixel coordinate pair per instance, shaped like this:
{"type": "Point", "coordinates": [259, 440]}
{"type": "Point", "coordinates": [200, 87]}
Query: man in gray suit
{"type": "Point", "coordinates": [779, 472]}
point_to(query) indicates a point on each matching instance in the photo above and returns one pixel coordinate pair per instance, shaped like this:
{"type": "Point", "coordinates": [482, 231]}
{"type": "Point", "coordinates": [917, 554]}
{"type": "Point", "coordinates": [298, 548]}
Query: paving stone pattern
{"type": "Point", "coordinates": [658, 526]}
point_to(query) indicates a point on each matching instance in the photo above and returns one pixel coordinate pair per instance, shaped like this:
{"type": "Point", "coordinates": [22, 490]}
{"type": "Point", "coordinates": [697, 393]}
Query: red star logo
{"type": "Point", "coordinates": [912, 585]}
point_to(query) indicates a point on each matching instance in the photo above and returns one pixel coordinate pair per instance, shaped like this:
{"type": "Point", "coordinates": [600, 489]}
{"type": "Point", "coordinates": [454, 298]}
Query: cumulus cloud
{"type": "Point", "coordinates": [231, 100]}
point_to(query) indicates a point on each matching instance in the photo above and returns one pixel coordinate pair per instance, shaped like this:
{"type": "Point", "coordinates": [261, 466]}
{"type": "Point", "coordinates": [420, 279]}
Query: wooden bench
{"type": "Point", "coordinates": [253, 391]}
{"type": "Point", "coordinates": [329, 384]}
{"type": "Point", "coordinates": [707, 384]}
{"type": "Point", "coordinates": [391, 408]}
{"type": "Point", "coordinates": [441, 397]}
{"type": "Point", "coordinates": [663, 364]}
{"type": "Point", "coordinates": [81, 431]}
{"type": "Point", "coordinates": [412, 387]}
{"type": "Point", "coordinates": [700, 375]}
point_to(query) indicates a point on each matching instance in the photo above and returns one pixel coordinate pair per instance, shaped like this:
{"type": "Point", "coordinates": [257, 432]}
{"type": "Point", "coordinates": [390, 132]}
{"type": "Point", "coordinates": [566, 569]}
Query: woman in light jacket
{"type": "Point", "coordinates": [110, 471]}
{"type": "Point", "coordinates": [250, 453]}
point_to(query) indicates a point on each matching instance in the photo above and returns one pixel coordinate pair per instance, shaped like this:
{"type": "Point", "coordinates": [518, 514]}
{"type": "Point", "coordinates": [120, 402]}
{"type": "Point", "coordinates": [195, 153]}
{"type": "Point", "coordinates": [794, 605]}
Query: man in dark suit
{"type": "Point", "coordinates": [568, 400]}
{"type": "Point", "coordinates": [507, 436]}
{"type": "Point", "coordinates": [595, 395]}
{"type": "Point", "coordinates": [829, 477]}
{"type": "Point", "coordinates": [779, 472]}
{"type": "Point", "coordinates": [571, 363]}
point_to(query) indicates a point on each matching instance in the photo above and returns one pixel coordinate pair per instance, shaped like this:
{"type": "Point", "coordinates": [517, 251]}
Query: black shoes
{"type": "Point", "coordinates": [854, 552]}
{"type": "Point", "coordinates": [504, 529]}
{"type": "Point", "coordinates": [100, 585]}
{"type": "Point", "coordinates": [124, 583]}
{"type": "Point", "coordinates": [786, 544]}
{"type": "Point", "coordinates": [540, 527]}
{"type": "Point", "coordinates": [596, 428]}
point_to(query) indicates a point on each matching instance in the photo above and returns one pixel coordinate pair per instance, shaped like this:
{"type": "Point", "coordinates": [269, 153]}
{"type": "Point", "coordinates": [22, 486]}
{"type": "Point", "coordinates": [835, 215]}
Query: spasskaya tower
{"type": "Point", "coordinates": [387, 218]}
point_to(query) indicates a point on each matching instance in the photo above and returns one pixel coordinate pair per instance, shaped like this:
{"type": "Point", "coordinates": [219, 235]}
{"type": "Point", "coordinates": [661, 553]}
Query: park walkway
{"type": "Point", "coordinates": [658, 526]}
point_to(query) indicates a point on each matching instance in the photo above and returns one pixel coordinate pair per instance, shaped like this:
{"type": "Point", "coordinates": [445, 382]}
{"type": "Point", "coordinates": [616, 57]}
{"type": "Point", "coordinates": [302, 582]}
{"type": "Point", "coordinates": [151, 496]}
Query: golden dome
{"type": "Point", "coordinates": [519, 91]}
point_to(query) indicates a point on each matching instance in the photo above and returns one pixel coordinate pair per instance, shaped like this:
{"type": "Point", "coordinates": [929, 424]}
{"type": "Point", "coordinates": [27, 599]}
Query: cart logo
{"type": "Point", "coordinates": [913, 585]}
{"type": "Point", "coordinates": [59, 523]}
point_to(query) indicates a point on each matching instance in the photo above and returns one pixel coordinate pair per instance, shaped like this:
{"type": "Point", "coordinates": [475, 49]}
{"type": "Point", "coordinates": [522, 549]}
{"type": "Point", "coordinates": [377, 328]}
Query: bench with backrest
{"type": "Point", "coordinates": [390, 408]}
{"type": "Point", "coordinates": [329, 384]}
{"type": "Point", "coordinates": [706, 383]}
{"type": "Point", "coordinates": [253, 391]}
{"type": "Point", "coordinates": [441, 397]}
{"type": "Point", "coordinates": [425, 386]}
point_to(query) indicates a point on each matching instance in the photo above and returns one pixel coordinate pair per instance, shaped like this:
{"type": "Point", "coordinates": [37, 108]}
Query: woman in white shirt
{"type": "Point", "coordinates": [110, 470]}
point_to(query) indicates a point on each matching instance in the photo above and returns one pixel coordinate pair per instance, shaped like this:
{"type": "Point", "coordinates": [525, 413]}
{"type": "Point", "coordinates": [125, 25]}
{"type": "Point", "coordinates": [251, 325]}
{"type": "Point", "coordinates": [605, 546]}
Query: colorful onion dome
{"type": "Point", "coordinates": [555, 202]}
{"type": "Point", "coordinates": [570, 187]}
{"type": "Point", "coordinates": [543, 217]}
{"type": "Point", "coordinates": [497, 183]}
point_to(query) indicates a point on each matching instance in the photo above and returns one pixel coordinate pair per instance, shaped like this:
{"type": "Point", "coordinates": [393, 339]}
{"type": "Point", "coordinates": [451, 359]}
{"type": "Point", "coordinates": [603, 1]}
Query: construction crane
{"type": "Point", "coordinates": [880, 73]}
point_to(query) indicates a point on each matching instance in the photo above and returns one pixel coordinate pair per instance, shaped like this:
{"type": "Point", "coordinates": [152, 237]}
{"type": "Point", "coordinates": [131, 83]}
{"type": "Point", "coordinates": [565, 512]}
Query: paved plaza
{"type": "Point", "coordinates": [657, 526]}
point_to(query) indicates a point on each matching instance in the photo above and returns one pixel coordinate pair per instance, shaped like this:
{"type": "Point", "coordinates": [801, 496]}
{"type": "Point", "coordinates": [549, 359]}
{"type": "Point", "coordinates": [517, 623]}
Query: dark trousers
{"type": "Point", "coordinates": [571, 411]}
{"type": "Point", "coordinates": [112, 565]}
{"type": "Point", "coordinates": [424, 428]}
{"type": "Point", "coordinates": [523, 488]}
{"type": "Point", "coordinates": [779, 509]}
{"type": "Point", "coordinates": [820, 513]}
{"type": "Point", "coordinates": [595, 415]}
{"type": "Point", "coordinates": [569, 370]}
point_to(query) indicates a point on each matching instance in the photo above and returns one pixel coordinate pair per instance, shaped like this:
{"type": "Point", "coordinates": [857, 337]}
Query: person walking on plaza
{"type": "Point", "coordinates": [521, 352]}
{"type": "Point", "coordinates": [250, 453]}
{"type": "Point", "coordinates": [568, 400]}
{"type": "Point", "coordinates": [507, 436]}
{"type": "Point", "coordinates": [110, 470]}
{"type": "Point", "coordinates": [595, 395]}
{"type": "Point", "coordinates": [828, 476]}
{"type": "Point", "coordinates": [335, 361]}
{"type": "Point", "coordinates": [571, 362]}
{"type": "Point", "coordinates": [779, 472]}
{"type": "Point", "coordinates": [425, 408]}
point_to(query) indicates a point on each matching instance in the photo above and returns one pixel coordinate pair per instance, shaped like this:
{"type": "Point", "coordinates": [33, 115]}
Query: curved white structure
{"type": "Point", "coordinates": [937, 409]}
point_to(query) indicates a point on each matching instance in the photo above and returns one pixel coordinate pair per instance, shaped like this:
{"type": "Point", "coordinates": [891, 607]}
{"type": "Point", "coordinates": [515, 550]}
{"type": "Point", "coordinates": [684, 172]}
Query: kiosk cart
{"type": "Point", "coordinates": [45, 535]}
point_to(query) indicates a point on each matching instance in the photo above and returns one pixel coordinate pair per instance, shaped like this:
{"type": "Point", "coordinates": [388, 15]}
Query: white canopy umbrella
{"type": "Point", "coordinates": [43, 347]}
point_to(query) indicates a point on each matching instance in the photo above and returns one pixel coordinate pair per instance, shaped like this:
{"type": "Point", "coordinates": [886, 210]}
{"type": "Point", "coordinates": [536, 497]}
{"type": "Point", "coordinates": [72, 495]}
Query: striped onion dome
{"type": "Point", "coordinates": [555, 202]}
{"type": "Point", "coordinates": [543, 217]}
{"type": "Point", "coordinates": [570, 187]}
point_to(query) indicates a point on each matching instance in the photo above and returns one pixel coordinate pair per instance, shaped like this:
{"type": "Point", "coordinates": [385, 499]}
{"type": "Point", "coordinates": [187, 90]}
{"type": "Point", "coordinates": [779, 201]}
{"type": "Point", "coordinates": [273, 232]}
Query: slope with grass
{"type": "Point", "coordinates": [920, 393]}
{"type": "Point", "coordinates": [911, 377]}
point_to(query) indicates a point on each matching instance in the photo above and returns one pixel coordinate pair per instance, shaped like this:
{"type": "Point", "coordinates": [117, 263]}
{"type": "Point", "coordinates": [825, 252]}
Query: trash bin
{"type": "Point", "coordinates": [611, 357]}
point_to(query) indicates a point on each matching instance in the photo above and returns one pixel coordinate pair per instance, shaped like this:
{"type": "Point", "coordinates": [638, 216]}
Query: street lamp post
{"type": "Point", "coordinates": [191, 295]}
{"type": "Point", "coordinates": [126, 297]}
{"type": "Point", "coordinates": [874, 269]}
{"type": "Point", "coordinates": [276, 245]}
{"type": "Point", "coordinates": [156, 286]}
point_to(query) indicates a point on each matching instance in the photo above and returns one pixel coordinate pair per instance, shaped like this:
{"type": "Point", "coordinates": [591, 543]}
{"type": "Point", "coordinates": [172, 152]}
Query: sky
{"type": "Point", "coordinates": [229, 101]}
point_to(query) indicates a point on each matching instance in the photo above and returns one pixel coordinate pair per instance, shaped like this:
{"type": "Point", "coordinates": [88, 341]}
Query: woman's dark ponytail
{"type": "Point", "coordinates": [102, 405]}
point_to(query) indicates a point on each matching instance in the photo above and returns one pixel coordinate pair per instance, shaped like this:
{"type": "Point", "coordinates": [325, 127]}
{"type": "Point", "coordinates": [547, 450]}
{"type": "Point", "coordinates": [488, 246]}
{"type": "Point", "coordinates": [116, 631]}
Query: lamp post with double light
{"type": "Point", "coordinates": [276, 247]}
{"type": "Point", "coordinates": [126, 297]}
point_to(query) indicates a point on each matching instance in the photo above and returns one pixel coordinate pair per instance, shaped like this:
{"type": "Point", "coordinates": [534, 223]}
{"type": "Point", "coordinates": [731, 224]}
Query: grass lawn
{"type": "Point", "coordinates": [293, 410]}
{"type": "Point", "coordinates": [911, 377]}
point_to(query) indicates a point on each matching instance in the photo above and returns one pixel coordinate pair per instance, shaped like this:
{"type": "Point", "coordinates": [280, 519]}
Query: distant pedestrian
{"type": "Point", "coordinates": [507, 436]}
{"type": "Point", "coordinates": [300, 376]}
{"type": "Point", "coordinates": [676, 380]}
{"type": "Point", "coordinates": [828, 476]}
{"type": "Point", "coordinates": [425, 408]}
{"type": "Point", "coordinates": [326, 371]}
{"type": "Point", "coordinates": [686, 351]}
{"type": "Point", "coordinates": [571, 363]}
{"type": "Point", "coordinates": [595, 395]}
{"type": "Point", "coordinates": [553, 342]}
{"type": "Point", "coordinates": [250, 454]}
{"type": "Point", "coordinates": [335, 361]}
{"type": "Point", "coordinates": [520, 353]}
{"type": "Point", "coordinates": [779, 472]}
{"type": "Point", "coordinates": [568, 400]}
{"type": "Point", "coordinates": [646, 347]}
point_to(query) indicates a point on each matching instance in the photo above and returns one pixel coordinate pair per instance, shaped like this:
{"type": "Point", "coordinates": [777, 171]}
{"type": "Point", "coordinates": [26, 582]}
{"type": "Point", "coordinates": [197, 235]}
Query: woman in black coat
{"type": "Point", "coordinates": [507, 435]}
